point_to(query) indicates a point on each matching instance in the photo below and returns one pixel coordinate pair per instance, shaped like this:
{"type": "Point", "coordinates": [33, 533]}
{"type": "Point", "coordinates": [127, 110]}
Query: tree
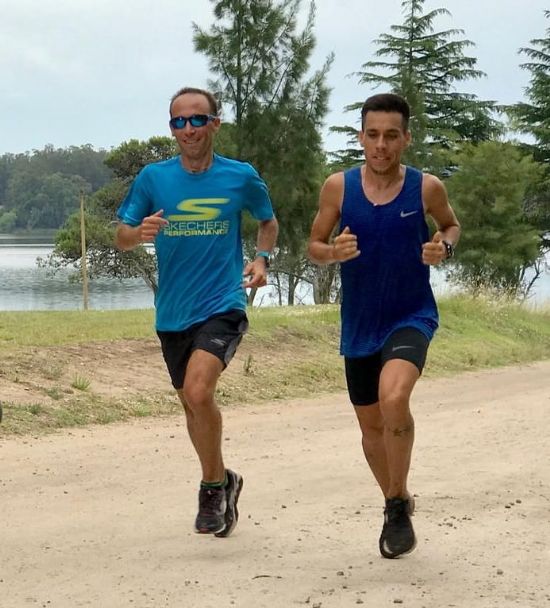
{"type": "Point", "coordinates": [103, 259]}
{"type": "Point", "coordinates": [533, 117]}
{"type": "Point", "coordinates": [498, 244]}
{"type": "Point", "coordinates": [129, 158]}
{"type": "Point", "coordinates": [8, 221]}
{"type": "Point", "coordinates": [43, 201]}
{"type": "Point", "coordinates": [261, 63]}
{"type": "Point", "coordinates": [42, 187]}
{"type": "Point", "coordinates": [423, 65]}
{"type": "Point", "coordinates": [6, 167]}
{"type": "Point", "coordinates": [75, 160]}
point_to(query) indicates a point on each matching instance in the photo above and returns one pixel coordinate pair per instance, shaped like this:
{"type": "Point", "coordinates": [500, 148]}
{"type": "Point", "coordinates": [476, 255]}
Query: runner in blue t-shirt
{"type": "Point", "coordinates": [190, 206]}
{"type": "Point", "coordinates": [388, 311]}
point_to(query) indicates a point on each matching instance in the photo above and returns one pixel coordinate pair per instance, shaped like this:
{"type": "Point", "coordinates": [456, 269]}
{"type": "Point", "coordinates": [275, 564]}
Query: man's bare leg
{"type": "Point", "coordinates": [397, 381]}
{"type": "Point", "coordinates": [204, 420]}
{"type": "Point", "coordinates": [371, 424]}
{"type": "Point", "coordinates": [220, 489]}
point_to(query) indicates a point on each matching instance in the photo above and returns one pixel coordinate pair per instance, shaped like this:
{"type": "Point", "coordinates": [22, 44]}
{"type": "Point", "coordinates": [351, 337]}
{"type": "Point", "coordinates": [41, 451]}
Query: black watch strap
{"type": "Point", "coordinates": [449, 249]}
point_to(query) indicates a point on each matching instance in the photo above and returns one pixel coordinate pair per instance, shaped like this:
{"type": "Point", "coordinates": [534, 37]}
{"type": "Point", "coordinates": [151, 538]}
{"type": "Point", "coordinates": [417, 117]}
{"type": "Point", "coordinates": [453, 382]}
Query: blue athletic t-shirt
{"type": "Point", "coordinates": [199, 252]}
{"type": "Point", "coordinates": [388, 286]}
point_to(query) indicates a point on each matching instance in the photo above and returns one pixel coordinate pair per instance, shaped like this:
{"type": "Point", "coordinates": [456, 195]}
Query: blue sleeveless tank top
{"type": "Point", "coordinates": [388, 286]}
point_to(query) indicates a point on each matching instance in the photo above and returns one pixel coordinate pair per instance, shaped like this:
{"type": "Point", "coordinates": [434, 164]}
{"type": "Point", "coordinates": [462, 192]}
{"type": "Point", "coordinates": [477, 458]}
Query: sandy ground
{"type": "Point", "coordinates": [102, 516]}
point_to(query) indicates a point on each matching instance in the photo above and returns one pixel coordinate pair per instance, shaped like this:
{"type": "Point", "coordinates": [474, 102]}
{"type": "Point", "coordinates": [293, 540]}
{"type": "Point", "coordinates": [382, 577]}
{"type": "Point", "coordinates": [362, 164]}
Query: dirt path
{"type": "Point", "coordinates": [102, 517]}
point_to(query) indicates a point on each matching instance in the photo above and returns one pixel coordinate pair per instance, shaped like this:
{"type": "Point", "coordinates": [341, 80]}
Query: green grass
{"type": "Point", "coordinates": [73, 327]}
{"type": "Point", "coordinates": [77, 327]}
{"type": "Point", "coordinates": [82, 410]}
{"type": "Point", "coordinates": [288, 353]}
{"type": "Point", "coordinates": [475, 333]}
{"type": "Point", "coordinates": [80, 383]}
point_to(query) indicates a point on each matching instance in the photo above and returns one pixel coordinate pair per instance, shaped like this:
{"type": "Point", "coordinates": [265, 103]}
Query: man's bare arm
{"type": "Point", "coordinates": [256, 271]}
{"type": "Point", "coordinates": [128, 237]}
{"type": "Point", "coordinates": [344, 246]}
{"type": "Point", "coordinates": [437, 206]}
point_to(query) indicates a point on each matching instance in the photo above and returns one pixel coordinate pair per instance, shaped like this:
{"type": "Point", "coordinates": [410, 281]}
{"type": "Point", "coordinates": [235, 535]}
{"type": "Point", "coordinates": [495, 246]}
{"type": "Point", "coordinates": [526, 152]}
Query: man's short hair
{"type": "Point", "coordinates": [387, 102]}
{"type": "Point", "coordinates": [212, 101]}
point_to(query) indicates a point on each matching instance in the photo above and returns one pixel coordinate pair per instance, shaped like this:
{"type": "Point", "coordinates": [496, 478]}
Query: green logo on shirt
{"type": "Point", "coordinates": [198, 210]}
{"type": "Point", "coordinates": [199, 218]}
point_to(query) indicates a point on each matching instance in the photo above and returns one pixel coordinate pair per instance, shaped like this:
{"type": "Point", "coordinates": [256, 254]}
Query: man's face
{"type": "Point", "coordinates": [384, 140]}
{"type": "Point", "coordinates": [195, 143]}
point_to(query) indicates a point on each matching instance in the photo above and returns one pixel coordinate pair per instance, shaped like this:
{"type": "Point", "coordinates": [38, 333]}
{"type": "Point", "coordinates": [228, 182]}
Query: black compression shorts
{"type": "Point", "coordinates": [363, 373]}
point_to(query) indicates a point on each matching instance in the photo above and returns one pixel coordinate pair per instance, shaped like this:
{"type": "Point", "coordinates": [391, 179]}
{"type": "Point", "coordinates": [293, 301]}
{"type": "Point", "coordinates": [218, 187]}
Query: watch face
{"type": "Point", "coordinates": [449, 249]}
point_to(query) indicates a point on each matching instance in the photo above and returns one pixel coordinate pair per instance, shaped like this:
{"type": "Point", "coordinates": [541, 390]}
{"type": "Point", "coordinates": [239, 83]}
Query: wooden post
{"type": "Point", "coordinates": [83, 258]}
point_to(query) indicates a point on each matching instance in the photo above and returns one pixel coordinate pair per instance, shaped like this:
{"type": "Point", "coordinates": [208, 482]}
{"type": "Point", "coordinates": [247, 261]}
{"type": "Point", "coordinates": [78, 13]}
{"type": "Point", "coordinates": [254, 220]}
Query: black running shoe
{"type": "Point", "coordinates": [232, 491]}
{"type": "Point", "coordinates": [397, 536]}
{"type": "Point", "coordinates": [212, 507]}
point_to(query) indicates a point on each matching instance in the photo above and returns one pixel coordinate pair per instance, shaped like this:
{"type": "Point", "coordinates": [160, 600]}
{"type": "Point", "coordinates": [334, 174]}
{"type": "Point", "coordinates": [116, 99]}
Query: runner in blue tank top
{"type": "Point", "coordinates": [388, 310]}
{"type": "Point", "coordinates": [190, 206]}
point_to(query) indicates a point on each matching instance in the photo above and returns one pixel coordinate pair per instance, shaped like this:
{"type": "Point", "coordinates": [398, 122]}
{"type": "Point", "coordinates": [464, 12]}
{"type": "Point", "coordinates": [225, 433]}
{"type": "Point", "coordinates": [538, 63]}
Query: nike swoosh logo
{"type": "Point", "coordinates": [400, 348]}
{"type": "Point", "coordinates": [406, 214]}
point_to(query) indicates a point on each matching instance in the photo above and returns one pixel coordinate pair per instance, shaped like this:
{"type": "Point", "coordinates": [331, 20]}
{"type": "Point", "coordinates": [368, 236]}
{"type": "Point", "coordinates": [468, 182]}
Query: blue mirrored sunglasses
{"type": "Point", "coordinates": [197, 120]}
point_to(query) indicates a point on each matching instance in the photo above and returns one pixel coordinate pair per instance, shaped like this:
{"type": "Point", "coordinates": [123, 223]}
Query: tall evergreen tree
{"type": "Point", "coordinates": [424, 65]}
{"type": "Point", "coordinates": [533, 117]}
{"type": "Point", "coordinates": [261, 62]}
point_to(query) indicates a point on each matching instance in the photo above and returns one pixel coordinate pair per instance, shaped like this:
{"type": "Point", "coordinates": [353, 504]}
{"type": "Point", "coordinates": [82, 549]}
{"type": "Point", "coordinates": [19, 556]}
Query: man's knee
{"type": "Point", "coordinates": [395, 399]}
{"type": "Point", "coordinates": [372, 430]}
{"type": "Point", "coordinates": [196, 394]}
{"type": "Point", "coordinates": [396, 412]}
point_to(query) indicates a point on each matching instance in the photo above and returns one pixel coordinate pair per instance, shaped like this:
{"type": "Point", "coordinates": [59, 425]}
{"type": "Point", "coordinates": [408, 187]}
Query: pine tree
{"type": "Point", "coordinates": [533, 117]}
{"type": "Point", "coordinates": [424, 65]}
{"type": "Point", "coordinates": [261, 63]}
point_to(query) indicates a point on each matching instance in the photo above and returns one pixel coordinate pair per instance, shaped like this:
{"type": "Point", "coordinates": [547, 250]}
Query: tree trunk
{"type": "Point", "coordinates": [323, 282]}
{"type": "Point", "coordinates": [252, 296]}
{"type": "Point", "coordinates": [292, 284]}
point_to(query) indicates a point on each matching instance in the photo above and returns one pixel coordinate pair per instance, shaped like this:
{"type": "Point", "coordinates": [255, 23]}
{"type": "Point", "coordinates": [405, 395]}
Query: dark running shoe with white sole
{"type": "Point", "coordinates": [212, 508]}
{"type": "Point", "coordinates": [232, 491]}
{"type": "Point", "coordinates": [397, 536]}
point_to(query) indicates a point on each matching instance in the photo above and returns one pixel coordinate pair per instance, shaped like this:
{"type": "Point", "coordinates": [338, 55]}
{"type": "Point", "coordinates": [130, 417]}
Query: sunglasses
{"type": "Point", "coordinates": [197, 120]}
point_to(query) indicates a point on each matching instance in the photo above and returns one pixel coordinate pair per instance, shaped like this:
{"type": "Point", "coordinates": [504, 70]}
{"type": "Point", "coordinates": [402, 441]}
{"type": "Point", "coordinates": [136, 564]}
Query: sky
{"type": "Point", "coordinates": [101, 72]}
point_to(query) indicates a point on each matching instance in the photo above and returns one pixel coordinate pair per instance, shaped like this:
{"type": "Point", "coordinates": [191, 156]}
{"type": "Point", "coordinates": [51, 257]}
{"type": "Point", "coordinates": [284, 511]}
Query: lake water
{"type": "Point", "coordinates": [25, 286]}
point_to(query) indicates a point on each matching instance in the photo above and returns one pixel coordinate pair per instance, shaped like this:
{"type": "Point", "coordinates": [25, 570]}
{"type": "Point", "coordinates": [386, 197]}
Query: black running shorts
{"type": "Point", "coordinates": [219, 335]}
{"type": "Point", "coordinates": [363, 373]}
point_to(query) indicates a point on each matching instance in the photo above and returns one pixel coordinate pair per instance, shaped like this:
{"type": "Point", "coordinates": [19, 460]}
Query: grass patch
{"type": "Point", "coordinates": [80, 383]}
{"type": "Point", "coordinates": [83, 410]}
{"type": "Point", "coordinates": [54, 328]}
{"type": "Point", "coordinates": [477, 334]}
{"type": "Point", "coordinates": [288, 353]}
{"type": "Point", "coordinates": [54, 393]}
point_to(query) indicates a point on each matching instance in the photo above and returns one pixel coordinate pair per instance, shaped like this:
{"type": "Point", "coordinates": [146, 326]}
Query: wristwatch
{"type": "Point", "coordinates": [265, 255]}
{"type": "Point", "coordinates": [449, 249]}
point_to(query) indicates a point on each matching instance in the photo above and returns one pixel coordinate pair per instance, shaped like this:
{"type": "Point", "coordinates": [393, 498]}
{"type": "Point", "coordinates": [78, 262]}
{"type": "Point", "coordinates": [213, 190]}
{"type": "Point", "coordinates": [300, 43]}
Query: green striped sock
{"type": "Point", "coordinates": [214, 484]}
